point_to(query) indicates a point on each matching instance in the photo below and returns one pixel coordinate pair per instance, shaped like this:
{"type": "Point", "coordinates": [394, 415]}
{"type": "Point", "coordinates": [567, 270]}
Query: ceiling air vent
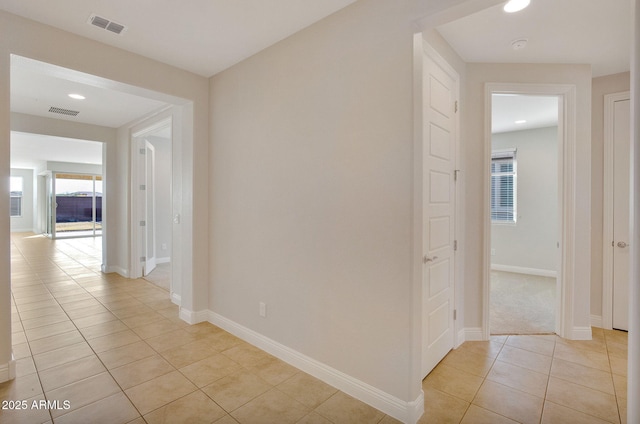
{"type": "Point", "coordinates": [106, 24]}
{"type": "Point", "coordinates": [62, 111]}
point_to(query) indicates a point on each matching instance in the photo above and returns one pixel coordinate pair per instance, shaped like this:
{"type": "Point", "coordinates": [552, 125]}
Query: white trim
{"type": "Point", "coordinates": [408, 412]}
{"type": "Point", "coordinates": [462, 337]}
{"type": "Point", "coordinates": [580, 333]}
{"type": "Point", "coordinates": [474, 334]}
{"type": "Point", "coordinates": [607, 208]}
{"type": "Point", "coordinates": [596, 321]}
{"type": "Point", "coordinates": [192, 317]}
{"type": "Point", "coordinates": [116, 269]}
{"type": "Point", "coordinates": [163, 260]}
{"type": "Point", "coordinates": [8, 370]}
{"type": "Point", "coordinates": [22, 230]}
{"type": "Point", "coordinates": [523, 270]}
{"type": "Point", "coordinates": [566, 199]}
{"type": "Point", "coordinates": [176, 298]}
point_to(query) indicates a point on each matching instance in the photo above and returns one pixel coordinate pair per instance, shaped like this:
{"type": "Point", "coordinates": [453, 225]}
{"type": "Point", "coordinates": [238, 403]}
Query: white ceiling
{"type": "Point", "coordinates": [596, 32]}
{"type": "Point", "coordinates": [37, 86]}
{"type": "Point", "coordinates": [29, 150]}
{"type": "Point", "coordinates": [201, 36]}
{"type": "Point", "coordinates": [537, 111]}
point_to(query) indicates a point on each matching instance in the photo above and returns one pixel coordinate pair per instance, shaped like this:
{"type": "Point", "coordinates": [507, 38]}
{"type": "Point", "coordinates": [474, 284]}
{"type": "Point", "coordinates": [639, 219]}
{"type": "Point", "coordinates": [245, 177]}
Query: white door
{"type": "Point", "coordinates": [439, 109]}
{"type": "Point", "coordinates": [621, 213]}
{"type": "Point", "coordinates": [147, 206]}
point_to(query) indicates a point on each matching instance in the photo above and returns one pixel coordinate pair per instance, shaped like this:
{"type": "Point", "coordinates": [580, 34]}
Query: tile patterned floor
{"type": "Point", "coordinates": [531, 379]}
{"type": "Point", "coordinates": [116, 350]}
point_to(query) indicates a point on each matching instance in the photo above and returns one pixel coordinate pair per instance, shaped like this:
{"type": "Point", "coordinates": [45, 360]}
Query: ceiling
{"type": "Point", "coordinates": [29, 150]}
{"type": "Point", "coordinates": [537, 111]}
{"type": "Point", "coordinates": [597, 32]}
{"type": "Point", "coordinates": [201, 36]}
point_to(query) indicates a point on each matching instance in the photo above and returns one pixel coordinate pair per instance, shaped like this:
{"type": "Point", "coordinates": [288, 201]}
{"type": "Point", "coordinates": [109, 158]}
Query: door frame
{"type": "Point", "coordinates": [422, 49]}
{"type": "Point", "coordinates": [137, 215]}
{"type": "Point", "coordinates": [566, 198]}
{"type": "Point", "coordinates": [607, 210]}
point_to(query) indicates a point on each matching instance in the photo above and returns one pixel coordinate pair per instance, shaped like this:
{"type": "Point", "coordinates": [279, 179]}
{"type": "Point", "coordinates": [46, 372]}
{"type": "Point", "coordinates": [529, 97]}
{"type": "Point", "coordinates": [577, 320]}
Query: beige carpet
{"type": "Point", "coordinates": [522, 304]}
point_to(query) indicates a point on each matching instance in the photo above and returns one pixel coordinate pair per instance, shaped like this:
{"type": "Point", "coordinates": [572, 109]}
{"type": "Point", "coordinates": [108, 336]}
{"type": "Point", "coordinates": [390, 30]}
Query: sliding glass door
{"type": "Point", "coordinates": [78, 205]}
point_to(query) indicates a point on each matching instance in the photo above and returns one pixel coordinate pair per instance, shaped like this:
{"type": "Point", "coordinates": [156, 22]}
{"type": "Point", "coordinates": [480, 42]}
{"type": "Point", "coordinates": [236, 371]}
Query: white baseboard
{"type": "Point", "coordinates": [176, 298]}
{"type": "Point", "coordinates": [473, 334]}
{"type": "Point", "coordinates": [23, 230]}
{"type": "Point", "coordinates": [8, 370]}
{"type": "Point", "coordinates": [462, 337]}
{"type": "Point", "coordinates": [163, 260]}
{"type": "Point", "coordinates": [523, 270]}
{"type": "Point", "coordinates": [581, 333]}
{"type": "Point", "coordinates": [407, 412]}
{"type": "Point", "coordinates": [596, 321]}
{"type": "Point", "coordinates": [193, 317]}
{"type": "Point", "coordinates": [116, 269]}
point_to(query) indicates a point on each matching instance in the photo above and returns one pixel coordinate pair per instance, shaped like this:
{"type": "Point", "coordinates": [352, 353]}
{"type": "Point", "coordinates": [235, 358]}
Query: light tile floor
{"type": "Point", "coordinates": [116, 350]}
{"type": "Point", "coordinates": [531, 379]}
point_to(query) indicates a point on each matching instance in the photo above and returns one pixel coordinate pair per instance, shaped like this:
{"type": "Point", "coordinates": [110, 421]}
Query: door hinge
{"type": "Point", "coordinates": [143, 258]}
{"type": "Point", "coordinates": [455, 314]}
{"type": "Point", "coordinates": [455, 108]}
{"type": "Point", "coordinates": [143, 187]}
{"type": "Point", "coordinates": [613, 243]}
{"type": "Point", "coordinates": [456, 173]}
{"type": "Point", "coordinates": [455, 245]}
{"type": "Point", "coordinates": [143, 223]}
{"type": "Point", "coordinates": [142, 151]}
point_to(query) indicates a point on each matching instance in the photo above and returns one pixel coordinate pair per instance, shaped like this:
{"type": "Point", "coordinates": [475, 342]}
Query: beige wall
{"type": "Point", "coordinates": [311, 194]}
{"type": "Point", "coordinates": [477, 75]}
{"type": "Point", "coordinates": [601, 86]}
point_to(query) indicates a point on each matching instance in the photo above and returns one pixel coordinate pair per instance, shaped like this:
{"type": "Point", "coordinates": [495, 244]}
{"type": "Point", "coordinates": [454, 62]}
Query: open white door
{"type": "Point", "coordinates": [147, 206]}
{"type": "Point", "coordinates": [439, 149]}
{"type": "Point", "coordinates": [621, 213]}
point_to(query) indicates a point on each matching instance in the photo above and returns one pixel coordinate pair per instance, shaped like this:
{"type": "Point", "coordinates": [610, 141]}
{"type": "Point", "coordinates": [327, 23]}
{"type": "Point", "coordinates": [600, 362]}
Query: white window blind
{"type": "Point", "coordinates": [503, 186]}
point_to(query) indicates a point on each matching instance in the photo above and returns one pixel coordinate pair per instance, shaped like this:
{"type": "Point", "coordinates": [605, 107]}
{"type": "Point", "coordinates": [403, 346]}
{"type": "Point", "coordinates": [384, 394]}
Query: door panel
{"type": "Point", "coordinates": [439, 214]}
{"type": "Point", "coordinates": [621, 213]}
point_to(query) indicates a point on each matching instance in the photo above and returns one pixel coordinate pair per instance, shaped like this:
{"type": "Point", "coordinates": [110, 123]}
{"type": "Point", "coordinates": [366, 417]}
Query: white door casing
{"type": "Point", "coordinates": [617, 212]}
{"type": "Point", "coordinates": [439, 96]}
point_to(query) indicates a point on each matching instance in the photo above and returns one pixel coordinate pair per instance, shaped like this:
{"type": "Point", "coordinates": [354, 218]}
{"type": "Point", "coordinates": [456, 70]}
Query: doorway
{"type": "Point", "coordinates": [565, 218]}
{"type": "Point", "coordinates": [152, 198]}
{"type": "Point", "coordinates": [524, 213]}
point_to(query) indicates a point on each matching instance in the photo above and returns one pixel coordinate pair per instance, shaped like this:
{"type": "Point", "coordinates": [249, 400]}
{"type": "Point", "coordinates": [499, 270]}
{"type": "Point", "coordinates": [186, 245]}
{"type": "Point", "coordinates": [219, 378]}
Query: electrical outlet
{"type": "Point", "coordinates": [263, 309]}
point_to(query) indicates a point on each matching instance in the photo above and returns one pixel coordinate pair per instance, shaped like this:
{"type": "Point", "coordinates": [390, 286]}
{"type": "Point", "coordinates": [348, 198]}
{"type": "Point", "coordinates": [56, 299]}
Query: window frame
{"type": "Point", "coordinates": [505, 155]}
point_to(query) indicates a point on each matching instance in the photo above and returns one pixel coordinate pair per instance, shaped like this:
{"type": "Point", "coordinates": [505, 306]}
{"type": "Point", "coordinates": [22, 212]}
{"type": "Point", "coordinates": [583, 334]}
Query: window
{"type": "Point", "coordinates": [503, 186]}
{"type": "Point", "coordinates": [15, 185]}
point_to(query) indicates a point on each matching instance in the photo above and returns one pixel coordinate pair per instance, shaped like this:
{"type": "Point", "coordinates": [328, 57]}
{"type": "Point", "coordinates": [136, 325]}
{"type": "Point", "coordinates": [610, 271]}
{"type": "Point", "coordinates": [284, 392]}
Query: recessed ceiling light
{"type": "Point", "coordinates": [515, 5]}
{"type": "Point", "coordinates": [521, 121]}
{"type": "Point", "coordinates": [77, 96]}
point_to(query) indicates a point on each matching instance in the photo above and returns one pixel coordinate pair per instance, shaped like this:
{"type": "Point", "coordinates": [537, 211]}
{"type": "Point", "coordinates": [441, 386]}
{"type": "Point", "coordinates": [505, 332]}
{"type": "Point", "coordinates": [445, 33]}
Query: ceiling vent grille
{"type": "Point", "coordinates": [106, 24]}
{"type": "Point", "coordinates": [63, 111]}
